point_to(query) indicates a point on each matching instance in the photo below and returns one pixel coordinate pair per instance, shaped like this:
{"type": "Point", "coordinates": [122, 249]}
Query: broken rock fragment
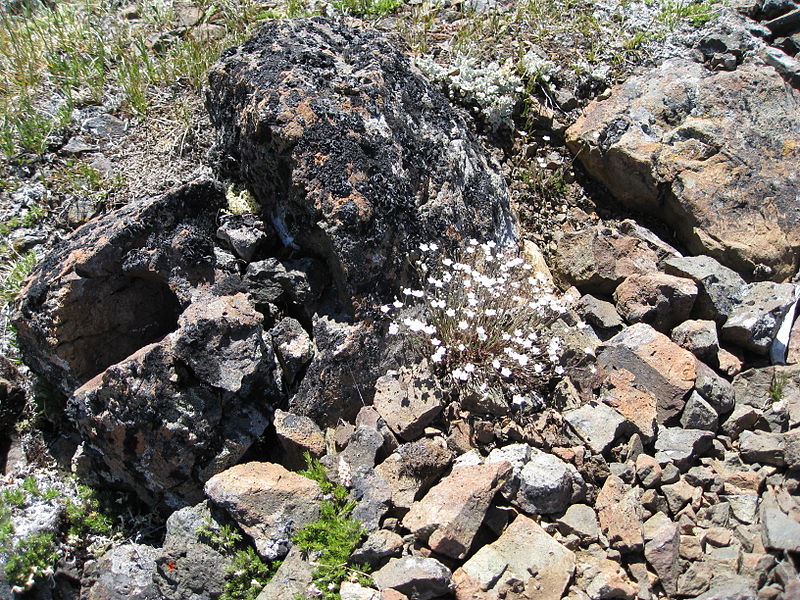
{"type": "Point", "coordinates": [268, 502]}
{"type": "Point", "coordinates": [658, 365]}
{"type": "Point", "coordinates": [449, 515]}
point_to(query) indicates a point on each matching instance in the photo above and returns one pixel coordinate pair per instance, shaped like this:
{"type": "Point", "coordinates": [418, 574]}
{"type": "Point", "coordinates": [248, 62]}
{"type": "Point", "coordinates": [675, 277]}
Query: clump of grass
{"type": "Point", "coordinates": [697, 14]}
{"type": "Point", "coordinates": [483, 322]}
{"type": "Point", "coordinates": [13, 274]}
{"type": "Point", "coordinates": [364, 8]}
{"type": "Point", "coordinates": [332, 538]}
{"type": "Point", "coordinates": [247, 574]}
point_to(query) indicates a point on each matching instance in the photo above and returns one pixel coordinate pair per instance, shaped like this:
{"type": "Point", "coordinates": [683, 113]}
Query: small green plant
{"type": "Point", "coordinates": [86, 516]}
{"type": "Point", "coordinates": [362, 8]}
{"type": "Point", "coordinates": [13, 497]}
{"type": "Point", "coordinates": [29, 485]}
{"type": "Point", "coordinates": [13, 274]}
{"type": "Point", "coordinates": [777, 386]}
{"type": "Point", "coordinates": [697, 14]}
{"type": "Point", "coordinates": [247, 574]}
{"type": "Point", "coordinates": [332, 538]}
{"type": "Point", "coordinates": [33, 557]}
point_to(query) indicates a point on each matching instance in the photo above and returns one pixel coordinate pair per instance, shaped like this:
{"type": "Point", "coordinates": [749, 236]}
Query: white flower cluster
{"type": "Point", "coordinates": [484, 321]}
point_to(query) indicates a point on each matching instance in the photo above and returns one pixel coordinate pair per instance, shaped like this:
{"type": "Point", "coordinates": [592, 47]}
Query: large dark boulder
{"type": "Point", "coordinates": [354, 156]}
{"type": "Point", "coordinates": [161, 356]}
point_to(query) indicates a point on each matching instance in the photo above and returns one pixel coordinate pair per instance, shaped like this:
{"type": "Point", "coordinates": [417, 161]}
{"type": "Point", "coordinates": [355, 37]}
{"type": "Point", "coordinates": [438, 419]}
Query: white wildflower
{"type": "Point", "coordinates": [385, 309]}
{"type": "Point", "coordinates": [393, 329]}
{"type": "Point", "coordinates": [397, 304]}
{"type": "Point", "coordinates": [505, 372]}
{"type": "Point", "coordinates": [463, 325]}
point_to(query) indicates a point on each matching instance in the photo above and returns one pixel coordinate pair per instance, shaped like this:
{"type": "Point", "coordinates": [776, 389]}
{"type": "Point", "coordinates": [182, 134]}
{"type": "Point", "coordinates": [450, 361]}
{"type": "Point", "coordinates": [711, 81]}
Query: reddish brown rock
{"type": "Point", "coordinates": [449, 515]}
{"type": "Point", "coordinates": [597, 259]}
{"type": "Point", "coordinates": [637, 405]}
{"type": "Point", "coordinates": [684, 143]}
{"type": "Point", "coordinates": [658, 299]}
{"type": "Point", "coordinates": [603, 579]}
{"type": "Point", "coordinates": [298, 435]}
{"type": "Point", "coordinates": [524, 553]}
{"type": "Point", "coordinates": [619, 511]}
{"type": "Point", "coordinates": [659, 366]}
{"type": "Point", "coordinates": [268, 502]}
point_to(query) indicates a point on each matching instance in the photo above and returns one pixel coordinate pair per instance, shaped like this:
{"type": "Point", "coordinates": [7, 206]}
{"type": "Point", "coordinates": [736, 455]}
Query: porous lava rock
{"type": "Point", "coordinates": [354, 156]}
{"type": "Point", "coordinates": [177, 412]}
{"type": "Point", "coordinates": [687, 144]}
{"type": "Point", "coordinates": [162, 358]}
{"type": "Point", "coordinates": [118, 284]}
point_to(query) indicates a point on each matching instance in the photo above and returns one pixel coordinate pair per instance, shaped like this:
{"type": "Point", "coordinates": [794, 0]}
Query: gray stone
{"type": "Point", "coordinates": [292, 579]}
{"type": "Point", "coordinates": [123, 573]}
{"type": "Point", "coordinates": [778, 530]}
{"type": "Point", "coordinates": [695, 580]}
{"type": "Point", "coordinates": [698, 337]}
{"type": "Point", "coordinates": [603, 579]}
{"type": "Point", "coordinates": [373, 494]}
{"type": "Point", "coordinates": [297, 435]}
{"type": "Point", "coordinates": [355, 591]}
{"type": "Point", "coordinates": [744, 507]}
{"type": "Point", "coordinates": [379, 545]}
{"type": "Point", "coordinates": [658, 299]}
{"type": "Point", "coordinates": [791, 444]}
{"type": "Point", "coordinates": [105, 126]}
{"type": "Point", "coordinates": [596, 259]}
{"type": "Point", "coordinates": [662, 543]}
{"type": "Point", "coordinates": [189, 565]}
{"type": "Point", "coordinates": [679, 494]}
{"type": "Point", "coordinates": [277, 281]}
{"type": "Point", "coordinates": [598, 313]}
{"type": "Point", "coordinates": [754, 321]}
{"type": "Point", "coordinates": [702, 477]}
{"type": "Point", "coordinates": [714, 389]}
{"type": "Point", "coordinates": [761, 447]}
{"type": "Point", "coordinates": [580, 520]}
{"type": "Point", "coordinates": [413, 467]}
{"type": "Point", "coordinates": [408, 400]}
{"type": "Point", "coordinates": [743, 417]}
{"type": "Point", "coordinates": [547, 485]}
{"type": "Point", "coordinates": [517, 455]}
{"type": "Point", "coordinates": [293, 347]}
{"type": "Point", "coordinates": [730, 587]}
{"type": "Point", "coordinates": [648, 471]}
{"type": "Point", "coordinates": [596, 424]}
{"type": "Point", "coordinates": [719, 288]}
{"type": "Point", "coordinates": [243, 233]}
{"type": "Point", "coordinates": [681, 446]}
{"type": "Point", "coordinates": [361, 451]}
{"type": "Point", "coordinates": [699, 414]}
{"type": "Point", "coordinates": [416, 577]}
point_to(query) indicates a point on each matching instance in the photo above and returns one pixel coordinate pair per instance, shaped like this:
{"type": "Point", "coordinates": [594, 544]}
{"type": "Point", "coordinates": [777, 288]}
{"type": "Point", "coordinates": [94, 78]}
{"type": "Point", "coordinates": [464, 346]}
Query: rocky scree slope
{"type": "Point", "coordinates": [669, 469]}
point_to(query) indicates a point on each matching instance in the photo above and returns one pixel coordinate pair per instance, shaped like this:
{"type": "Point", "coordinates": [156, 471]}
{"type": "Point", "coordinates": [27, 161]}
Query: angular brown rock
{"type": "Point", "coordinates": [684, 143]}
{"type": "Point", "coordinates": [659, 366]}
{"type": "Point", "coordinates": [449, 515]}
{"type": "Point", "coordinates": [268, 502]}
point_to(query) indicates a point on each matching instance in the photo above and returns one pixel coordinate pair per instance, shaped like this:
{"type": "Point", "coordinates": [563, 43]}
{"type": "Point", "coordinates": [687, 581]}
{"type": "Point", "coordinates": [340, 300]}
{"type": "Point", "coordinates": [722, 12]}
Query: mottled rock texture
{"type": "Point", "coordinates": [689, 145]}
{"type": "Point", "coordinates": [352, 154]}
